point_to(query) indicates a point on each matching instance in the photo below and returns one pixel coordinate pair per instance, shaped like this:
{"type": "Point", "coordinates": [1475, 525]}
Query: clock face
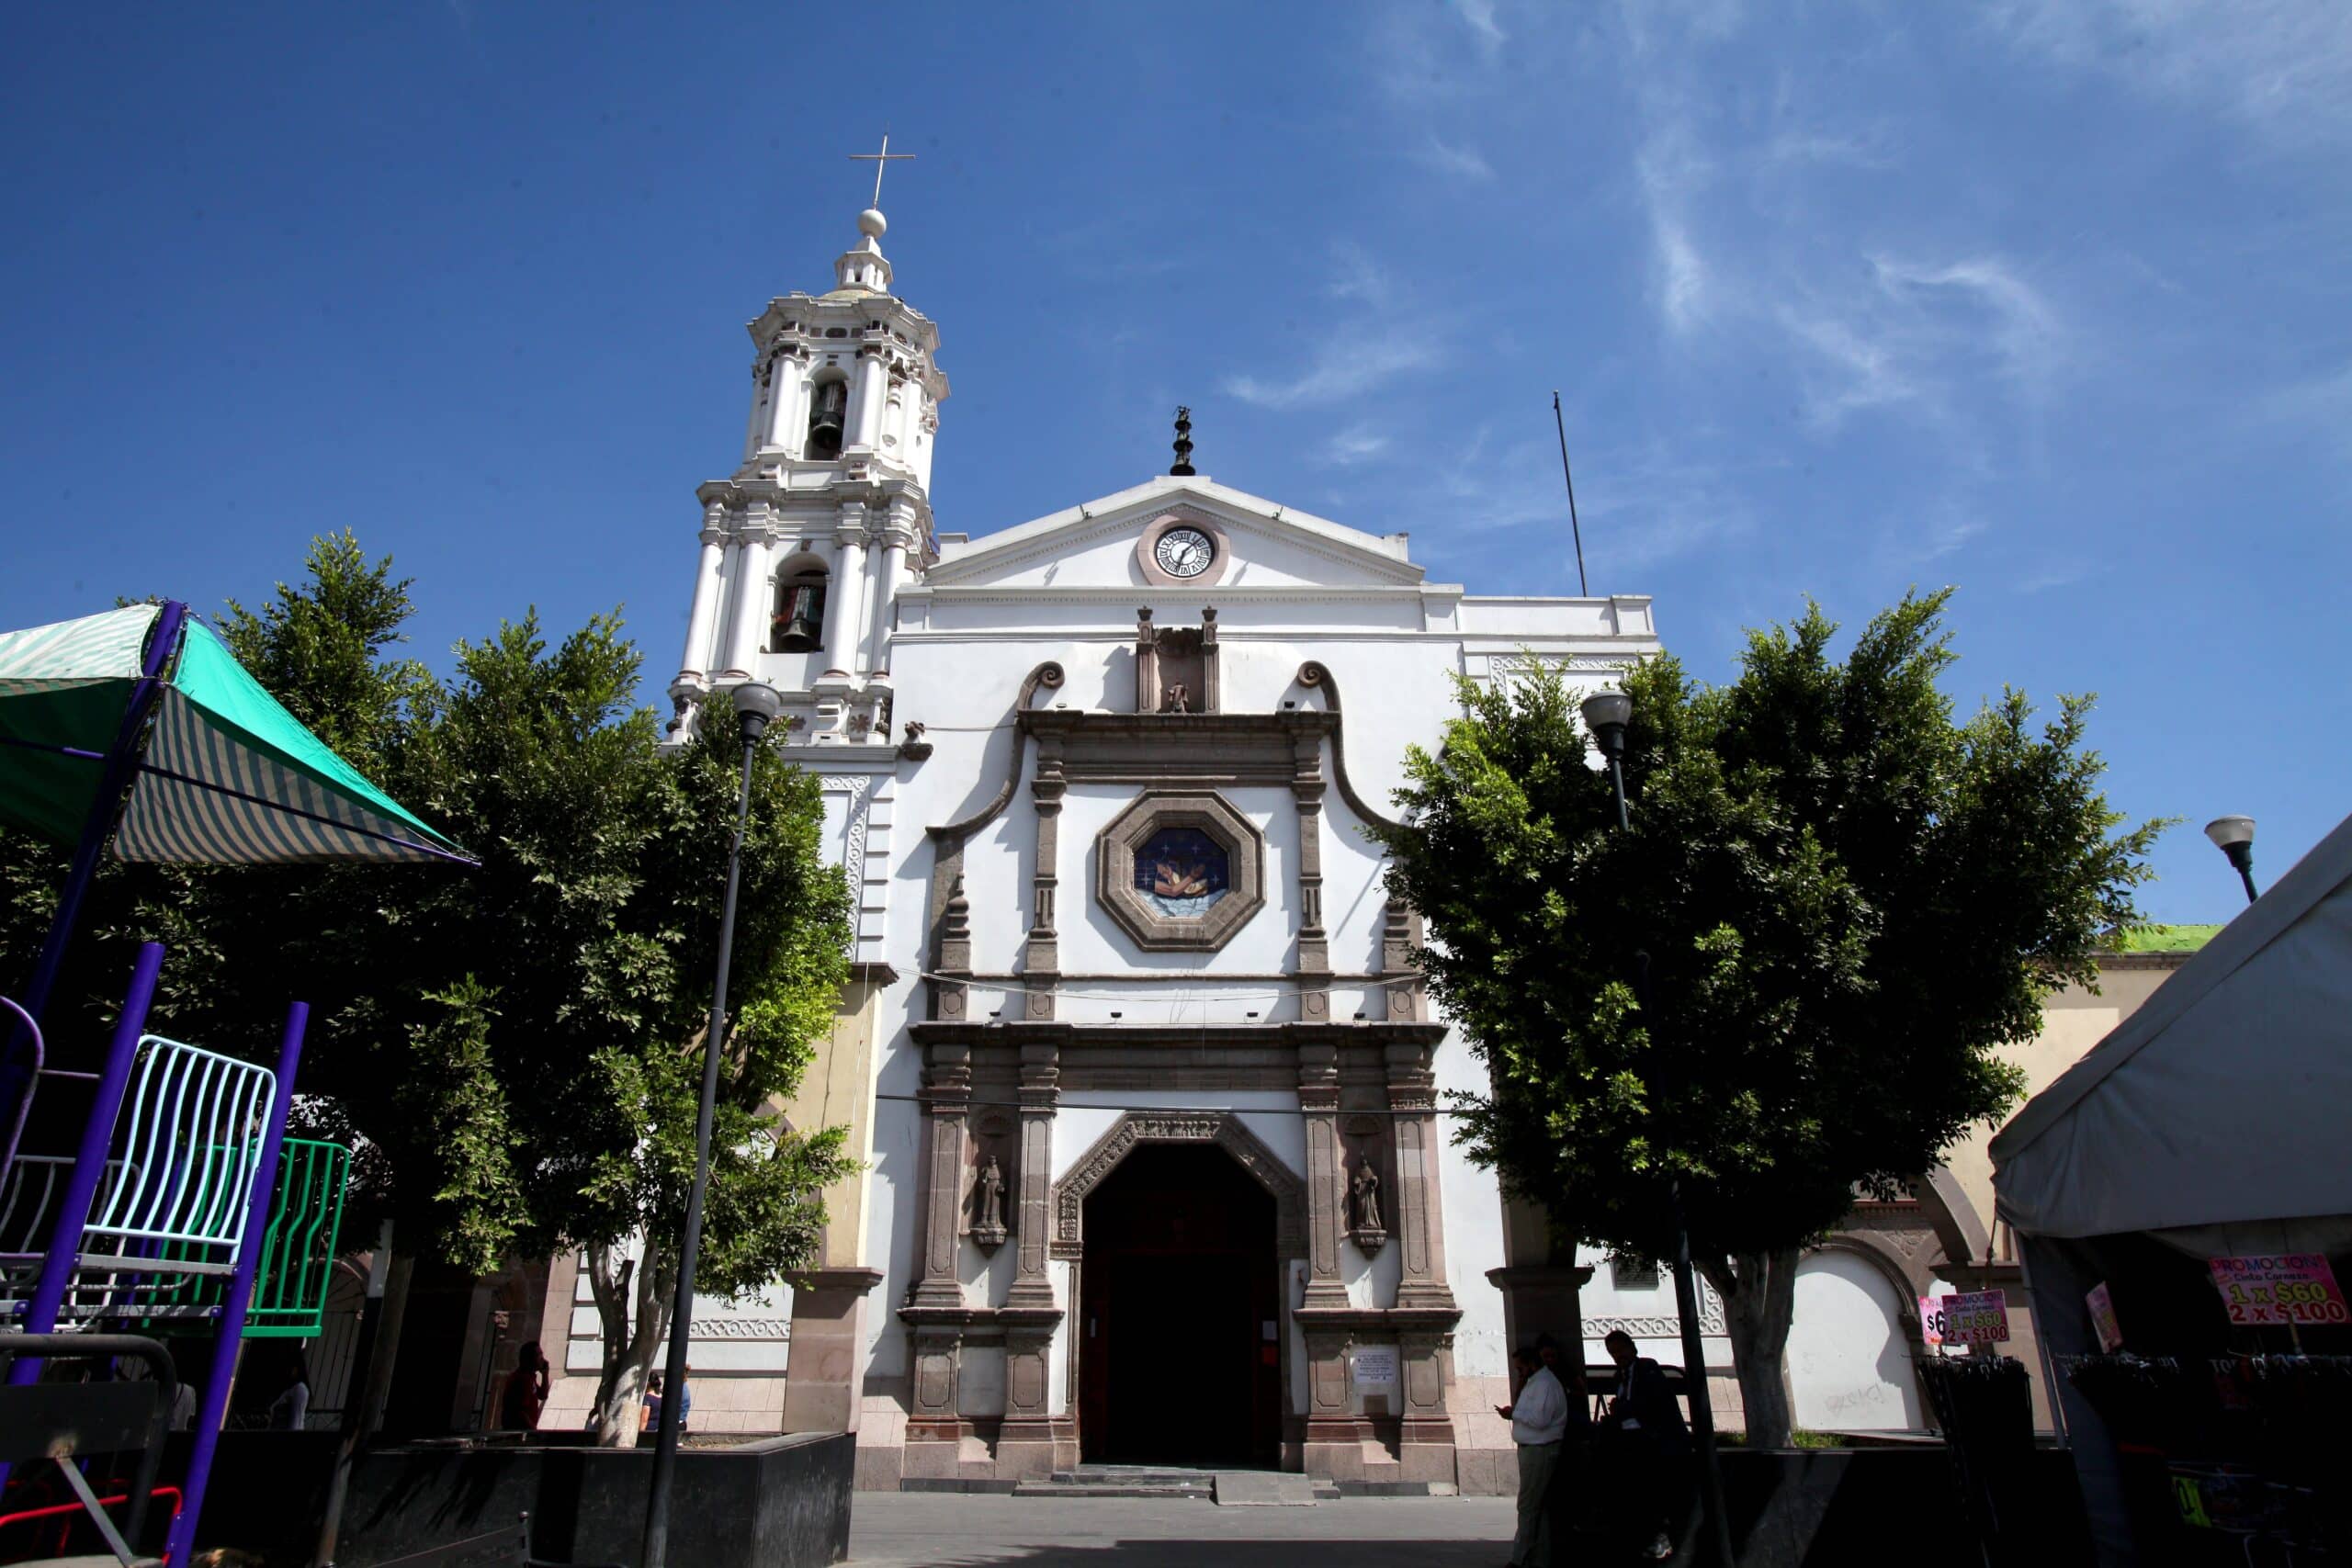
{"type": "Point", "coordinates": [1184, 552]}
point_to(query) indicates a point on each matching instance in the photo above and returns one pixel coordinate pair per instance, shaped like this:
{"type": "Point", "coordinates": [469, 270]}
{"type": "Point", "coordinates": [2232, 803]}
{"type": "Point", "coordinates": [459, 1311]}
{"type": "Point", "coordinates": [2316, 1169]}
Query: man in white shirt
{"type": "Point", "coordinates": [1539, 1420]}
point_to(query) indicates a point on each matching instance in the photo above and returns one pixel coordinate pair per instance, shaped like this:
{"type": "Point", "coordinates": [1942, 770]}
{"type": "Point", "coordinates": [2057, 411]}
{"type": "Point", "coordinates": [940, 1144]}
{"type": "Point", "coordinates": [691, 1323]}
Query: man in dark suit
{"type": "Point", "coordinates": [1642, 1402]}
{"type": "Point", "coordinates": [1650, 1439]}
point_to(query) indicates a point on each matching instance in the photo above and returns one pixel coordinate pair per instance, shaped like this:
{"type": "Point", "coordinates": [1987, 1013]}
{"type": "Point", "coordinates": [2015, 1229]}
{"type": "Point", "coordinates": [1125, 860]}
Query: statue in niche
{"type": "Point", "coordinates": [1368, 1232]}
{"type": "Point", "coordinates": [988, 1205]}
{"type": "Point", "coordinates": [1178, 699]}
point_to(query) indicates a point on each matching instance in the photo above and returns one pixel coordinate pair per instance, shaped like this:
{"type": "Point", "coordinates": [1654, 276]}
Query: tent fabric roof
{"type": "Point", "coordinates": [231, 778]}
{"type": "Point", "coordinates": [76, 653]}
{"type": "Point", "coordinates": [228, 776]}
{"type": "Point", "coordinates": [2222, 1099]}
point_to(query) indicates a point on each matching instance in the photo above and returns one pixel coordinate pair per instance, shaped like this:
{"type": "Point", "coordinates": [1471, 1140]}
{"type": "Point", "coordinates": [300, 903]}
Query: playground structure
{"type": "Point", "coordinates": [164, 1221]}
{"type": "Point", "coordinates": [137, 731]}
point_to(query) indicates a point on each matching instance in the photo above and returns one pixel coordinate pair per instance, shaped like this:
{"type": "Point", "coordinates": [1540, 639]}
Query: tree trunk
{"type": "Point", "coordinates": [1759, 1296]}
{"type": "Point", "coordinates": [630, 1348]}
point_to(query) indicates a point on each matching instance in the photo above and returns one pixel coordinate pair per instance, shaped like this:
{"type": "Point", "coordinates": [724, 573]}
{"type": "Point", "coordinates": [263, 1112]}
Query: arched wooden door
{"type": "Point", "coordinates": [1179, 1355]}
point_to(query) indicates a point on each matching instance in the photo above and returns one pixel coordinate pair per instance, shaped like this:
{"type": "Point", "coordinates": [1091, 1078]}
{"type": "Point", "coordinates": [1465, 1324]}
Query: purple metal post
{"type": "Point", "coordinates": [89, 1159]}
{"type": "Point", "coordinates": [232, 1330]}
{"type": "Point", "coordinates": [18, 1081]}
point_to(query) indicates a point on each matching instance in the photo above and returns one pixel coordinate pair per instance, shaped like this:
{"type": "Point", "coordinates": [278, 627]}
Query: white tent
{"type": "Point", "coordinates": [2221, 1108]}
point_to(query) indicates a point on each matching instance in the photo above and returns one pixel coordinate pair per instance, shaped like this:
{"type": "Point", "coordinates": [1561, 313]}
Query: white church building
{"type": "Point", "coordinates": [1151, 1103]}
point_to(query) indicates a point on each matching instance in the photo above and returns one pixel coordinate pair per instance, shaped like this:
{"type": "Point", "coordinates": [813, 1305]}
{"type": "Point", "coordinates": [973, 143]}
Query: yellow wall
{"type": "Point", "coordinates": [839, 1092]}
{"type": "Point", "coordinates": [2071, 1022]}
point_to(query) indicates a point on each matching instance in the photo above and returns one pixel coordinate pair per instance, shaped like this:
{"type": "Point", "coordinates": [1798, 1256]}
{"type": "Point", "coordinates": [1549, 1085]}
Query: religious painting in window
{"type": "Point", "coordinates": [1180, 872]}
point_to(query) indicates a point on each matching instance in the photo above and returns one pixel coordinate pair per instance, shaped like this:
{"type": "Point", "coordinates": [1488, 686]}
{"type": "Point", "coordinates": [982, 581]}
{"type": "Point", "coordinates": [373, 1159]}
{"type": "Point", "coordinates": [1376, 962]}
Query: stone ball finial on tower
{"type": "Point", "coordinates": [872, 224]}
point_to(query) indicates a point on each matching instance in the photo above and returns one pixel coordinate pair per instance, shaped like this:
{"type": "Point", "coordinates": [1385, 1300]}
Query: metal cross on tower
{"type": "Point", "coordinates": [881, 162]}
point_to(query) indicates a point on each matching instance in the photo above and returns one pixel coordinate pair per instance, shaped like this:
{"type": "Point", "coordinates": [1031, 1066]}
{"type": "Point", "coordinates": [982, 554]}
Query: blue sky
{"type": "Point", "coordinates": [2047, 300]}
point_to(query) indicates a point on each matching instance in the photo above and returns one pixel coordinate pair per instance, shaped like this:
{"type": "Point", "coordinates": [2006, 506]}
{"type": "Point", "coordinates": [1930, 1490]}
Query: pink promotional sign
{"type": "Point", "coordinates": [2282, 1289]}
{"type": "Point", "coordinates": [1981, 1318]}
{"type": "Point", "coordinates": [2103, 1319]}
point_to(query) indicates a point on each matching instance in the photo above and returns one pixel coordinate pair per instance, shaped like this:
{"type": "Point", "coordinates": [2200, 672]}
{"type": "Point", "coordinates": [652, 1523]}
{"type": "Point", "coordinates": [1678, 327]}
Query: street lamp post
{"type": "Point", "coordinates": [2234, 836]}
{"type": "Point", "coordinates": [755, 706]}
{"type": "Point", "coordinates": [1606, 715]}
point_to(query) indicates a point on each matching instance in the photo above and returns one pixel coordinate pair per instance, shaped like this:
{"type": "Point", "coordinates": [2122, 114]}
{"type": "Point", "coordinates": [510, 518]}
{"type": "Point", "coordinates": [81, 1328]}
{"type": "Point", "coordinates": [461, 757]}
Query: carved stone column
{"type": "Point", "coordinates": [822, 1388]}
{"type": "Point", "coordinates": [1421, 1222]}
{"type": "Point", "coordinates": [1318, 1102]}
{"type": "Point", "coordinates": [1400, 932]}
{"type": "Point", "coordinates": [1028, 1445]}
{"type": "Point", "coordinates": [1146, 662]}
{"type": "Point", "coordinates": [700, 656]}
{"type": "Point", "coordinates": [1040, 1090]}
{"type": "Point", "coordinates": [845, 595]}
{"type": "Point", "coordinates": [947, 1104]}
{"type": "Point", "coordinates": [1042, 961]}
{"type": "Point", "coordinates": [1334, 1442]}
{"type": "Point", "coordinates": [747, 632]}
{"type": "Point", "coordinates": [1210, 683]}
{"type": "Point", "coordinates": [935, 1310]}
{"type": "Point", "coordinates": [950, 997]}
{"type": "Point", "coordinates": [1425, 1442]}
{"type": "Point", "coordinates": [785, 413]}
{"type": "Point", "coordinates": [1314, 945]}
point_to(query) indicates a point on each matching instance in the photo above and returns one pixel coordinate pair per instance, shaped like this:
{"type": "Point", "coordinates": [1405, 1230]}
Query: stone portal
{"type": "Point", "coordinates": [1179, 1350]}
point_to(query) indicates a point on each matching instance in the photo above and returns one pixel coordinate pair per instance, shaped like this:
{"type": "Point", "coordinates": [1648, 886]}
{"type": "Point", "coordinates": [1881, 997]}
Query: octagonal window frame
{"type": "Point", "coordinates": [1152, 812]}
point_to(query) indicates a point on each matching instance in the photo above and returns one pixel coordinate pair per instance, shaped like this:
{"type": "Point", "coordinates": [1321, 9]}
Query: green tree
{"type": "Point", "coordinates": [1788, 983]}
{"type": "Point", "coordinates": [592, 926]}
{"type": "Point", "coordinates": [515, 1049]}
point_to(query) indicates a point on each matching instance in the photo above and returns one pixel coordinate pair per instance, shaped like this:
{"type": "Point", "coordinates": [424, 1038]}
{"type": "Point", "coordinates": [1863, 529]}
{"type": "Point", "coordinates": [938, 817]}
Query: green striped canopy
{"type": "Point", "coordinates": [226, 777]}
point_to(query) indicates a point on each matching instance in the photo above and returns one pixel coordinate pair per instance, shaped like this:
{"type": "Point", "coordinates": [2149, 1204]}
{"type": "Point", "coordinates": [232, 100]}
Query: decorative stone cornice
{"type": "Point", "coordinates": [1073, 1037]}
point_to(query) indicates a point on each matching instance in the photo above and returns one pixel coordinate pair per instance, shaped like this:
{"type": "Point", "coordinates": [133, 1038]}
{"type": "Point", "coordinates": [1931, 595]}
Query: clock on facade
{"type": "Point", "coordinates": [1184, 552]}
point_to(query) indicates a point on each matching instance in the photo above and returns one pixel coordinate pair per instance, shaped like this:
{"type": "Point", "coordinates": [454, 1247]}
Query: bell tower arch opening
{"type": "Point", "coordinates": [1180, 1300]}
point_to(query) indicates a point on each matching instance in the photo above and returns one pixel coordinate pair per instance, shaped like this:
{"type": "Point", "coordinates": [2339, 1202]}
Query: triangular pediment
{"type": "Point", "coordinates": [1260, 544]}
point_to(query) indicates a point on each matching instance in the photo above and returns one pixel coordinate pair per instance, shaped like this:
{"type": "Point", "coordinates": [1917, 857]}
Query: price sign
{"type": "Point", "coordinates": [1931, 1320]}
{"type": "Point", "coordinates": [2103, 1319]}
{"type": "Point", "coordinates": [1979, 1318]}
{"type": "Point", "coordinates": [2280, 1288]}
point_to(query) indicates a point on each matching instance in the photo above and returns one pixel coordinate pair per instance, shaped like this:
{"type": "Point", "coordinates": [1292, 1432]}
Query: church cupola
{"type": "Point", "coordinates": [863, 266]}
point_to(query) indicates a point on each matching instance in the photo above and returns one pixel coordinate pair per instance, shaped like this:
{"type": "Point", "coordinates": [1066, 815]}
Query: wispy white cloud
{"type": "Point", "coordinates": [1480, 15]}
{"type": "Point", "coordinates": [1671, 175]}
{"type": "Point", "coordinates": [2054, 574]}
{"type": "Point", "coordinates": [2281, 67]}
{"type": "Point", "coordinates": [1803, 148]}
{"type": "Point", "coordinates": [1356, 276]}
{"type": "Point", "coordinates": [1441, 156]}
{"type": "Point", "coordinates": [2313, 407]}
{"type": "Point", "coordinates": [1351, 362]}
{"type": "Point", "coordinates": [1357, 444]}
{"type": "Point", "coordinates": [1920, 333]}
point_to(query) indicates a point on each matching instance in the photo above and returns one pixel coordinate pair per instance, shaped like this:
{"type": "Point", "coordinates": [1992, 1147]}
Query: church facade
{"type": "Point", "coordinates": [1150, 1099]}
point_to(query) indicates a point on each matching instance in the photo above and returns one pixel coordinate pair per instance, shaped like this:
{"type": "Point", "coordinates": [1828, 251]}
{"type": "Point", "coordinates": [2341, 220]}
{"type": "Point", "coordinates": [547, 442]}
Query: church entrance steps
{"type": "Point", "coordinates": [1121, 1481]}
{"type": "Point", "coordinates": [1266, 1489]}
{"type": "Point", "coordinates": [1229, 1487]}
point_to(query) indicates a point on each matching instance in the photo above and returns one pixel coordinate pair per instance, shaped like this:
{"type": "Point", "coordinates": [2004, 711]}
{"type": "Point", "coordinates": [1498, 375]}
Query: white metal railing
{"type": "Point", "coordinates": [190, 1142]}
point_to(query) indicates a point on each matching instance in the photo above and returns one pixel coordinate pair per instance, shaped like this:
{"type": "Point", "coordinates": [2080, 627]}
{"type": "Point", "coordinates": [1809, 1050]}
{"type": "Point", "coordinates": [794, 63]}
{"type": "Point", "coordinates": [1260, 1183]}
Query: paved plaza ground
{"type": "Point", "coordinates": [899, 1530]}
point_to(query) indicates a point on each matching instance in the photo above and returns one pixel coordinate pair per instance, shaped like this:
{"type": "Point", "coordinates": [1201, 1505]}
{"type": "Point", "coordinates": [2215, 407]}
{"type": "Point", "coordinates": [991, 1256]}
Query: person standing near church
{"type": "Point", "coordinates": [1538, 1421]}
{"type": "Point", "coordinates": [1653, 1441]}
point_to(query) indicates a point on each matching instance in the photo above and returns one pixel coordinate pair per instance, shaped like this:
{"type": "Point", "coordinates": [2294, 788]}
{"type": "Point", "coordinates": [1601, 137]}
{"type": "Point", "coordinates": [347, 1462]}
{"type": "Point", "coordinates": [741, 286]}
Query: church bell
{"type": "Point", "coordinates": [801, 619]}
{"type": "Point", "coordinates": [825, 419]}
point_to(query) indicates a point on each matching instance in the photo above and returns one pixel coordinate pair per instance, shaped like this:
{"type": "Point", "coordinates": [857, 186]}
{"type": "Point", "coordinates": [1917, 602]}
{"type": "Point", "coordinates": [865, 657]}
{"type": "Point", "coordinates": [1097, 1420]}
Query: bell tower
{"type": "Point", "coordinates": [805, 547]}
